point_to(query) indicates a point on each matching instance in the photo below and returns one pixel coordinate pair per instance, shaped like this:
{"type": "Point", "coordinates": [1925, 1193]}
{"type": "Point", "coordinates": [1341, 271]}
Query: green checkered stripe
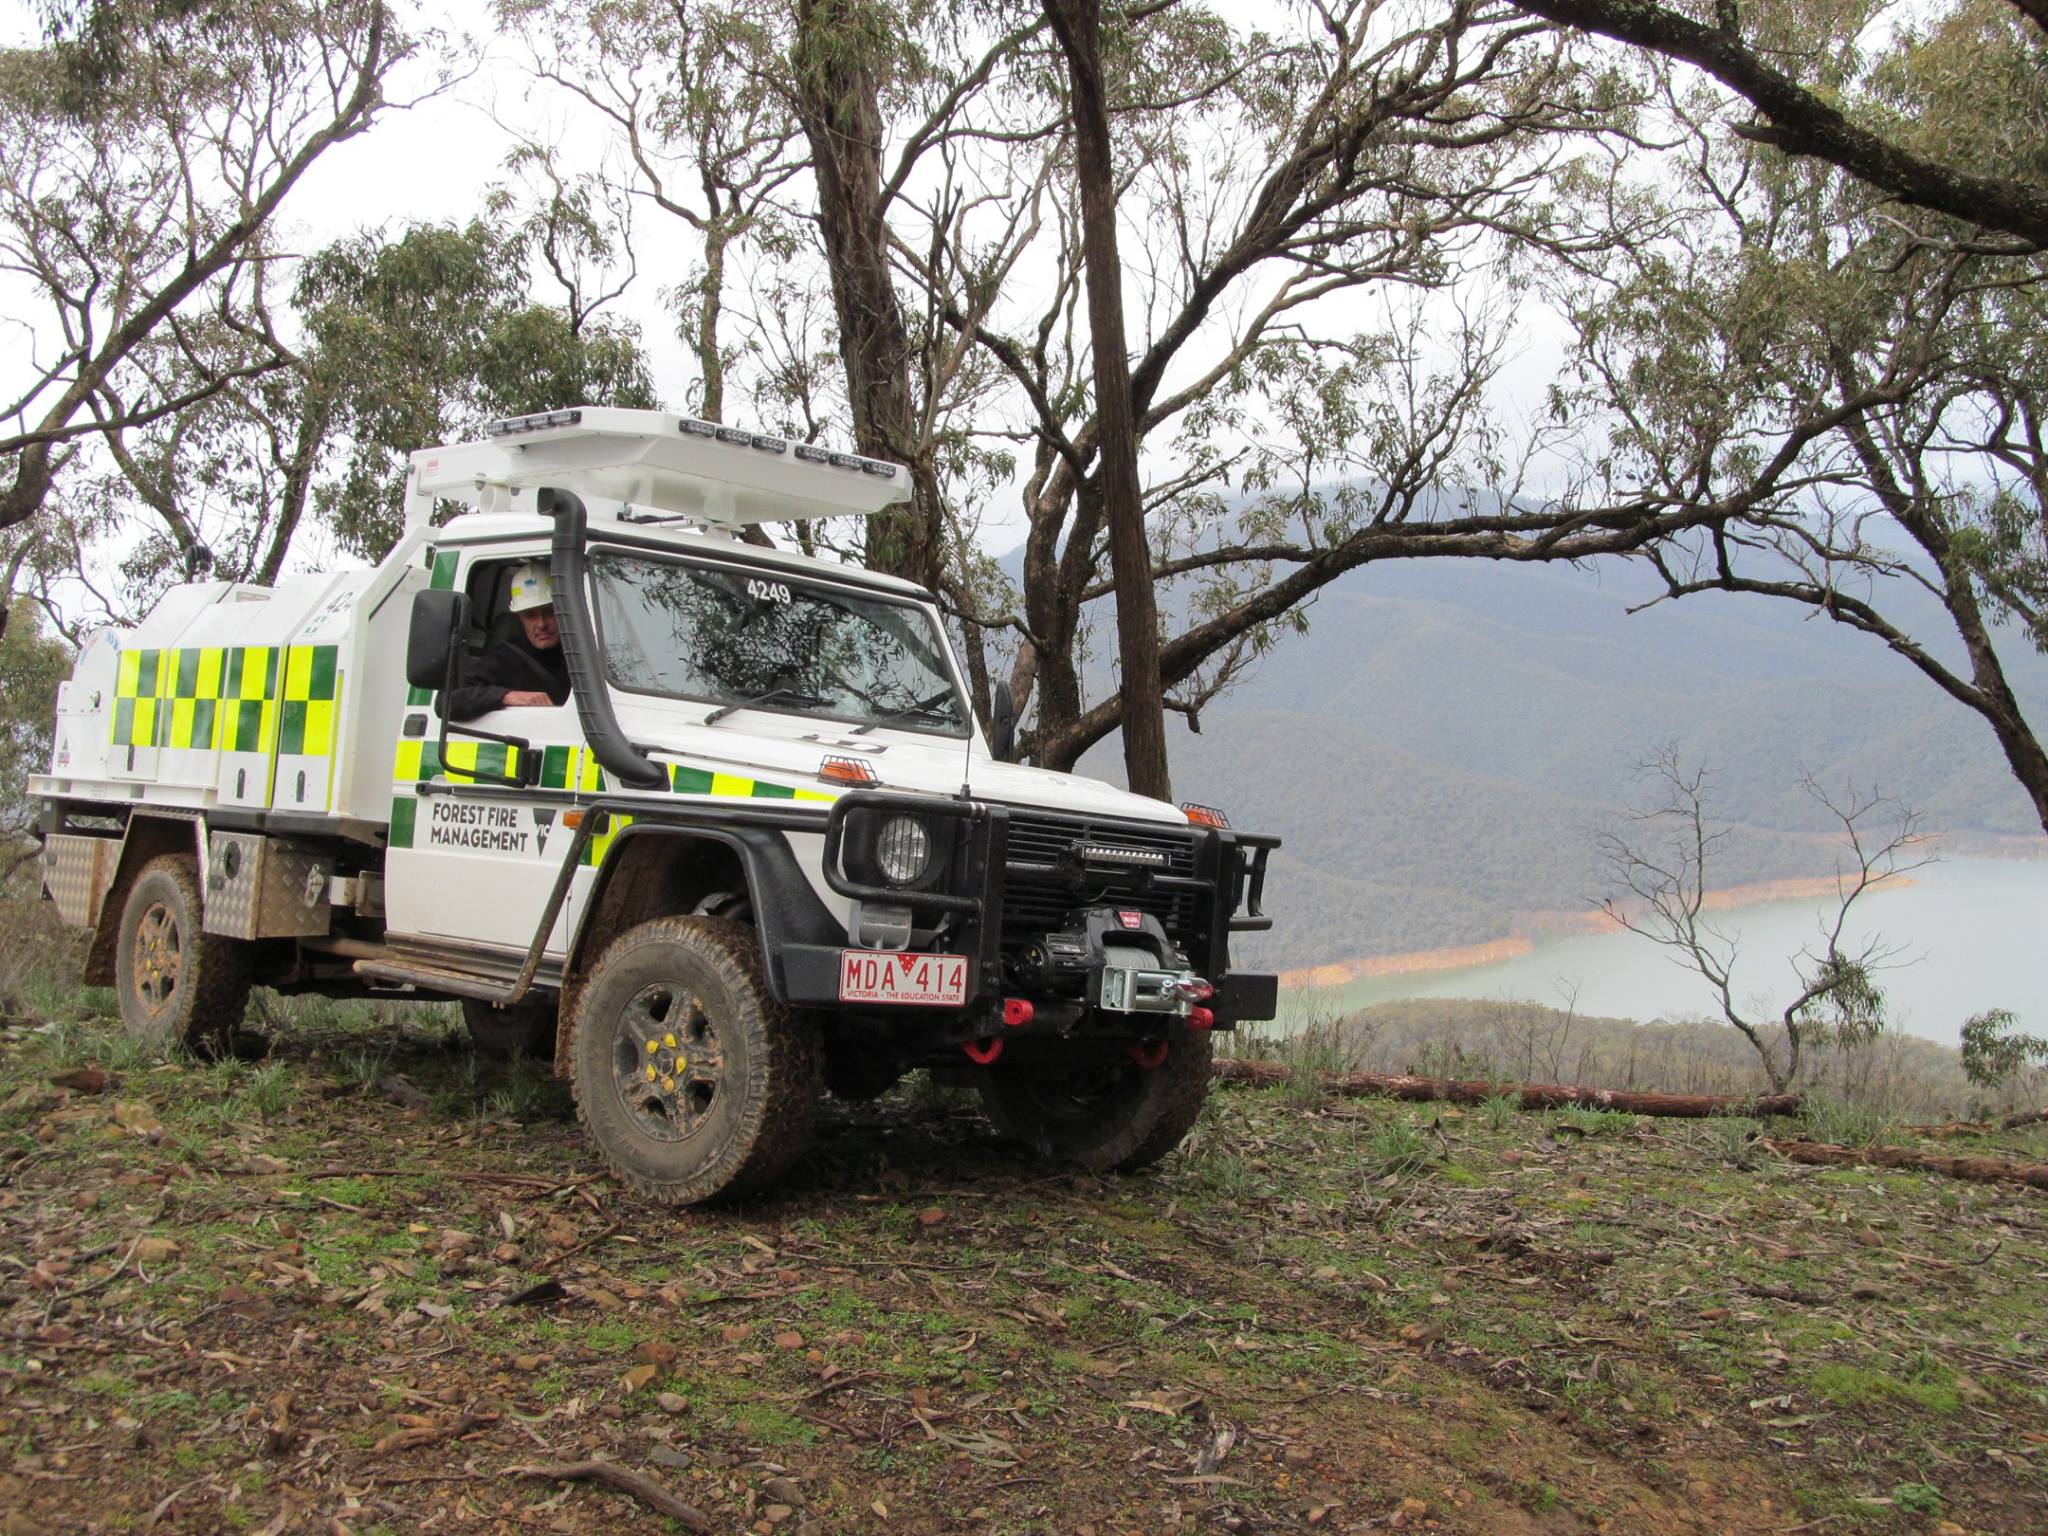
{"type": "Point", "coordinates": [206, 698]}
{"type": "Point", "coordinates": [574, 769]}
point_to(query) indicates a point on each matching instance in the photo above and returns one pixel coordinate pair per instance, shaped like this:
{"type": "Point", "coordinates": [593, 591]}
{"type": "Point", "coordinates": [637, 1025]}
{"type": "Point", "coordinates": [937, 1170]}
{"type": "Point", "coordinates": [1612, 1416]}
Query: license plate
{"type": "Point", "coordinates": [923, 981]}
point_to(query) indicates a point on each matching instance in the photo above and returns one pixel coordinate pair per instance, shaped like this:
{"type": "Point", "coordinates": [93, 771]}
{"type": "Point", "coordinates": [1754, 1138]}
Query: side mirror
{"type": "Point", "coordinates": [432, 641]}
{"type": "Point", "coordinates": [1003, 723]}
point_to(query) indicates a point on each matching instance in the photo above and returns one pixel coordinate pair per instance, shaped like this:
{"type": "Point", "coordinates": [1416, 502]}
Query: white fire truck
{"type": "Point", "coordinates": [762, 851]}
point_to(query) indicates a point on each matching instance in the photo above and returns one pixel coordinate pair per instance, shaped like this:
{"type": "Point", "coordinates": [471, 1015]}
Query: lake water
{"type": "Point", "coordinates": [1973, 935]}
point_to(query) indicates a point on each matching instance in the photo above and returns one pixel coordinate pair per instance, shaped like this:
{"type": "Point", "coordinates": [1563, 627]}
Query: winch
{"type": "Point", "coordinates": [1113, 958]}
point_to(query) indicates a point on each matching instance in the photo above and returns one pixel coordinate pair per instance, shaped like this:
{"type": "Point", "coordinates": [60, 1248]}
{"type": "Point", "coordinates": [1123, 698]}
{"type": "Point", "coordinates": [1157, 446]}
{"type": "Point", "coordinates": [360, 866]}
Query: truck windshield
{"type": "Point", "coordinates": [757, 639]}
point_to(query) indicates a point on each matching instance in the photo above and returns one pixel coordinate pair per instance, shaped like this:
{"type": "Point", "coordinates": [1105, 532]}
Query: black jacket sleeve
{"type": "Point", "coordinates": [503, 668]}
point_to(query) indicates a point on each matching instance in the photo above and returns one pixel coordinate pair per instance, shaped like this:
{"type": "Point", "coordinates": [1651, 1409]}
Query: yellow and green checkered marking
{"type": "Point", "coordinates": [566, 768]}
{"type": "Point", "coordinates": [228, 699]}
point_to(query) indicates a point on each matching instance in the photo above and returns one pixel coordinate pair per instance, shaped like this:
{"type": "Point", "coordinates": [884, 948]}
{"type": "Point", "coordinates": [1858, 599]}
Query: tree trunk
{"type": "Point", "coordinates": [1450, 1090]}
{"type": "Point", "coordinates": [839, 106]}
{"type": "Point", "coordinates": [1078, 24]}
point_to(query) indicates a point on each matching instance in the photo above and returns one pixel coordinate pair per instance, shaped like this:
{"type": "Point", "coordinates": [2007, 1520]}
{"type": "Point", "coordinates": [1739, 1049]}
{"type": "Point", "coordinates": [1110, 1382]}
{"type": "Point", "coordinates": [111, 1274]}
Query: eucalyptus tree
{"type": "Point", "coordinates": [691, 99]}
{"type": "Point", "coordinates": [1783, 62]}
{"type": "Point", "coordinates": [381, 345]}
{"type": "Point", "coordinates": [142, 156]}
{"type": "Point", "coordinates": [1309, 393]}
{"type": "Point", "coordinates": [1843, 393]}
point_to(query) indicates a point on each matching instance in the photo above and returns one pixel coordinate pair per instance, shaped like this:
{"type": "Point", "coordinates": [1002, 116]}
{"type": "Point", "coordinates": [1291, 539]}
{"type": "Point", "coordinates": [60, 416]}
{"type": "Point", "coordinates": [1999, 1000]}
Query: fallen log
{"type": "Point", "coordinates": [1451, 1090]}
{"type": "Point", "coordinates": [625, 1480]}
{"type": "Point", "coordinates": [1981, 1127]}
{"type": "Point", "coordinates": [1978, 1170]}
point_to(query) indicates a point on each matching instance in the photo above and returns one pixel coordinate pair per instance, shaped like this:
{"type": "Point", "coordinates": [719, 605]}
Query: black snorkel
{"type": "Point", "coordinates": [626, 763]}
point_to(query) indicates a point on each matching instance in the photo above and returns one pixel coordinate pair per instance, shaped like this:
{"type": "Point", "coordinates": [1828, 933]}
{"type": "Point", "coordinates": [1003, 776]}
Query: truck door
{"type": "Point", "coordinates": [474, 862]}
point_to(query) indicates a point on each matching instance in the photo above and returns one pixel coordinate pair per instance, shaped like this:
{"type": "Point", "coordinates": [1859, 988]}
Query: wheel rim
{"type": "Point", "coordinates": [668, 1062]}
{"type": "Point", "coordinates": [159, 958]}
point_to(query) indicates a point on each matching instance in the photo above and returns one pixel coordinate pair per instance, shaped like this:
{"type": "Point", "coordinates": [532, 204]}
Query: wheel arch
{"type": "Point", "coordinates": [655, 870]}
{"type": "Point", "coordinates": [147, 836]}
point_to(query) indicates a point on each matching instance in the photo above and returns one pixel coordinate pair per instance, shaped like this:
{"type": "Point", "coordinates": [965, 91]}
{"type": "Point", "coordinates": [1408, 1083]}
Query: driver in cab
{"type": "Point", "coordinates": [525, 670]}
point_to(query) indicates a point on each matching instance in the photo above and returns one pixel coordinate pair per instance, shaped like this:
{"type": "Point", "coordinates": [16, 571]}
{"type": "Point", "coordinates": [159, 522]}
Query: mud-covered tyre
{"type": "Point", "coordinates": [690, 1078]}
{"type": "Point", "coordinates": [177, 984]}
{"type": "Point", "coordinates": [524, 1029]}
{"type": "Point", "coordinates": [1106, 1114]}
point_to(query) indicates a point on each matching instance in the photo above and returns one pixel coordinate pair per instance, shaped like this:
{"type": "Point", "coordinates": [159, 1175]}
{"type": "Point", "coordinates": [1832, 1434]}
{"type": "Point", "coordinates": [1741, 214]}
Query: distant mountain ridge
{"type": "Point", "coordinates": [1442, 746]}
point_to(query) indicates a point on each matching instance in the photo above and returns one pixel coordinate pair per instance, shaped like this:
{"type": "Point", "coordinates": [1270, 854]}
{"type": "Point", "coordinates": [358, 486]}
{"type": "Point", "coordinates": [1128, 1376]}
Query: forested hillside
{"type": "Point", "coordinates": [1441, 748]}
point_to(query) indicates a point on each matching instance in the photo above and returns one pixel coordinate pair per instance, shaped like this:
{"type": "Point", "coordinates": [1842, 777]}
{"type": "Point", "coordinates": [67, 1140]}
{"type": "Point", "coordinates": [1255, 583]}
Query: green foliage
{"type": "Point", "coordinates": [423, 339]}
{"type": "Point", "coordinates": [32, 664]}
{"type": "Point", "coordinates": [1499, 1110]}
{"type": "Point", "coordinates": [1996, 1050]}
{"type": "Point", "coordinates": [1397, 1148]}
{"type": "Point", "coordinates": [1846, 1122]}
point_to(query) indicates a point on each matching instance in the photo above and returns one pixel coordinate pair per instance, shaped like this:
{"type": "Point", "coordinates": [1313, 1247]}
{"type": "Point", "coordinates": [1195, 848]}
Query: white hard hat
{"type": "Point", "coordinates": [531, 588]}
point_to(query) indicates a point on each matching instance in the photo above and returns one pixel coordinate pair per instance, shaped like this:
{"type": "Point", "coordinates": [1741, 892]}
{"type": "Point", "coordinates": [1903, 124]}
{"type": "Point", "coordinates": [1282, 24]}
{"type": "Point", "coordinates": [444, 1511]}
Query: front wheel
{"type": "Point", "coordinates": [177, 984]}
{"type": "Point", "coordinates": [690, 1077]}
{"type": "Point", "coordinates": [1104, 1113]}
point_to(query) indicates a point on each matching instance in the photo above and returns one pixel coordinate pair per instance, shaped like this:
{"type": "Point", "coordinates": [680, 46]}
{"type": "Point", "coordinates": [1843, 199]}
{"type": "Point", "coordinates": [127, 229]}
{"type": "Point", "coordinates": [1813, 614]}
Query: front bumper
{"type": "Point", "coordinates": [1006, 873]}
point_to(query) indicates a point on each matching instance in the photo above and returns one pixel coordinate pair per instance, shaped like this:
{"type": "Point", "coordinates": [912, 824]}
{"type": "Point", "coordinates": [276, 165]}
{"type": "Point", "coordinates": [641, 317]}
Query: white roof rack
{"type": "Point", "coordinates": [723, 476]}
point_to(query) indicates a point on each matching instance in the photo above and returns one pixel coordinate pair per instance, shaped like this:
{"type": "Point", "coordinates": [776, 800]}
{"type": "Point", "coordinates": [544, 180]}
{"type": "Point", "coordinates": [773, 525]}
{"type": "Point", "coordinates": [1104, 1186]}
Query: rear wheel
{"type": "Point", "coordinates": [1105, 1113]}
{"type": "Point", "coordinates": [690, 1077]}
{"type": "Point", "coordinates": [177, 984]}
{"type": "Point", "coordinates": [523, 1029]}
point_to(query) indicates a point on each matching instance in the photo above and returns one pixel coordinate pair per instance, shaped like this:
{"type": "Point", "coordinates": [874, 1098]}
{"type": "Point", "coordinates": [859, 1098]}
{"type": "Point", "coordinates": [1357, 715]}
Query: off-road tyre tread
{"type": "Point", "coordinates": [784, 1105]}
{"type": "Point", "coordinates": [213, 1004]}
{"type": "Point", "coordinates": [1153, 1128]}
{"type": "Point", "coordinates": [1186, 1075]}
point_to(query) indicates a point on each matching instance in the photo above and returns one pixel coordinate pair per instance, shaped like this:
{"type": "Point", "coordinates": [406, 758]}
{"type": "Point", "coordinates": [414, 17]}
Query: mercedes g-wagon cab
{"type": "Point", "coordinates": [763, 851]}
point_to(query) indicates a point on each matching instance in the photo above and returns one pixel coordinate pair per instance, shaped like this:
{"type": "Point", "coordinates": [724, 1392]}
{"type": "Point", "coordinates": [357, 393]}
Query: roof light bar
{"type": "Point", "coordinates": [509, 425]}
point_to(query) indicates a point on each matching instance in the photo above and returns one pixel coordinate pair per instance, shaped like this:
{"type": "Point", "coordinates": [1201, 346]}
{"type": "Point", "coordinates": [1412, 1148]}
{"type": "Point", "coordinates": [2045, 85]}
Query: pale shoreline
{"type": "Point", "coordinates": [1522, 941]}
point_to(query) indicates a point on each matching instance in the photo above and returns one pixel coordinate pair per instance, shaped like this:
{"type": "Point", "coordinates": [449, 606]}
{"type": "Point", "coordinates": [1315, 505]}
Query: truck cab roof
{"type": "Point", "coordinates": [670, 532]}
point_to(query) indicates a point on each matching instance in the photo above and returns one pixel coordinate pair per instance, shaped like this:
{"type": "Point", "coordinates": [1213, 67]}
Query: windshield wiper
{"type": "Point", "coordinates": [926, 707]}
{"type": "Point", "coordinates": [795, 694]}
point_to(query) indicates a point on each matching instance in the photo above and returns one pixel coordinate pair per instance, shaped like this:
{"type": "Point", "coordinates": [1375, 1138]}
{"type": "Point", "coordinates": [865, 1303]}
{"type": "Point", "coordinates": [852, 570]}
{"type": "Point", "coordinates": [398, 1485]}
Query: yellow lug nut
{"type": "Point", "coordinates": [652, 1047]}
{"type": "Point", "coordinates": [652, 1074]}
{"type": "Point", "coordinates": [668, 1040]}
{"type": "Point", "coordinates": [668, 1085]}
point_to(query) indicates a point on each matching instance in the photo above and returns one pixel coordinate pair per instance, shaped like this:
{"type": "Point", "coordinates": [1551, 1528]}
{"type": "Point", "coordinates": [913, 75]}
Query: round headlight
{"type": "Point", "coordinates": [902, 849]}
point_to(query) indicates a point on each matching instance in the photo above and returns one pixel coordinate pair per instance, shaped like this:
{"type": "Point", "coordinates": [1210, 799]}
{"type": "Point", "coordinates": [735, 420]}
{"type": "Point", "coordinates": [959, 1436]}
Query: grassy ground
{"type": "Point", "coordinates": [265, 1296]}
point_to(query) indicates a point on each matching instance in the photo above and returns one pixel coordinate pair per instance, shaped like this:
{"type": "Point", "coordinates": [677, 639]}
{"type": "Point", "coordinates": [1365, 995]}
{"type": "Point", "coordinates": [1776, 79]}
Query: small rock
{"type": "Point", "coordinates": [505, 1253]}
{"type": "Point", "coordinates": [1327, 1272]}
{"type": "Point", "coordinates": [154, 1250]}
{"type": "Point", "coordinates": [736, 1333]}
{"type": "Point", "coordinates": [655, 1352]}
{"type": "Point", "coordinates": [782, 1490]}
{"type": "Point", "coordinates": [90, 1078]}
{"type": "Point", "coordinates": [789, 1340]}
{"type": "Point", "coordinates": [775, 1514]}
{"type": "Point", "coordinates": [673, 1402]}
{"type": "Point", "coordinates": [639, 1376]}
{"type": "Point", "coordinates": [526, 1362]}
{"type": "Point", "coordinates": [669, 1455]}
{"type": "Point", "coordinates": [930, 1216]}
{"type": "Point", "coordinates": [1298, 1456]}
{"type": "Point", "coordinates": [453, 1241]}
